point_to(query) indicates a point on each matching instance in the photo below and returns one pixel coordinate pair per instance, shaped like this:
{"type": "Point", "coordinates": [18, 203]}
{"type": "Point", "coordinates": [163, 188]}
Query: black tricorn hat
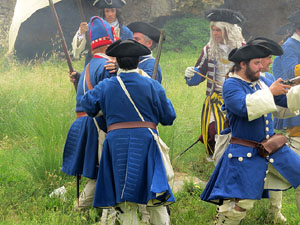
{"type": "Point", "coordinates": [295, 17]}
{"type": "Point", "coordinates": [225, 15]}
{"type": "Point", "coordinates": [270, 44]}
{"type": "Point", "coordinates": [128, 47]}
{"type": "Point", "coordinates": [285, 29]}
{"type": "Point", "coordinates": [109, 3]}
{"type": "Point", "coordinates": [248, 52]}
{"type": "Point", "coordinates": [145, 28]}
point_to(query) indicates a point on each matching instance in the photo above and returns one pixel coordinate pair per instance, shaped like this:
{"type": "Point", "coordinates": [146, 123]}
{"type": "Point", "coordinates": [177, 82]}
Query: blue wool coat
{"type": "Point", "coordinates": [80, 155]}
{"type": "Point", "coordinates": [283, 67]}
{"type": "Point", "coordinates": [131, 167]}
{"type": "Point", "coordinates": [240, 172]}
{"type": "Point", "coordinates": [147, 64]}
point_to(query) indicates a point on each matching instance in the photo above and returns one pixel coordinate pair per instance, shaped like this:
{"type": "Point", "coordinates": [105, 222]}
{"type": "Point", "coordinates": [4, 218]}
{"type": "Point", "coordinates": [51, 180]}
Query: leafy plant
{"type": "Point", "coordinates": [186, 33]}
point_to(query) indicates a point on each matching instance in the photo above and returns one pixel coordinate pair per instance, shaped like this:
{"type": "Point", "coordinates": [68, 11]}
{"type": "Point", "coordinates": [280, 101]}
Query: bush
{"type": "Point", "coordinates": [186, 33]}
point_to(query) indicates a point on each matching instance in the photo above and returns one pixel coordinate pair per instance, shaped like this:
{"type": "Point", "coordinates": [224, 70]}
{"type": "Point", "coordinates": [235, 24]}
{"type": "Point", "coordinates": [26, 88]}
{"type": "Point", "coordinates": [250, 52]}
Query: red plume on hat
{"type": "Point", "coordinates": [101, 33]}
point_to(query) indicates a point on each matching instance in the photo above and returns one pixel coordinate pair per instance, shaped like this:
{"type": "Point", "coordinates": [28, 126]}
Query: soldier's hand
{"type": "Point", "coordinates": [74, 76]}
{"type": "Point", "coordinates": [84, 27]}
{"type": "Point", "coordinates": [189, 72]}
{"type": "Point", "coordinates": [277, 88]}
{"type": "Point", "coordinates": [111, 66]}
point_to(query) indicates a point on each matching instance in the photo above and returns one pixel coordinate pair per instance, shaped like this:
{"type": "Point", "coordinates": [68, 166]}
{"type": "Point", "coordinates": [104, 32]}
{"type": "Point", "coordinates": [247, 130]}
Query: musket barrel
{"type": "Point", "coordinates": [292, 82]}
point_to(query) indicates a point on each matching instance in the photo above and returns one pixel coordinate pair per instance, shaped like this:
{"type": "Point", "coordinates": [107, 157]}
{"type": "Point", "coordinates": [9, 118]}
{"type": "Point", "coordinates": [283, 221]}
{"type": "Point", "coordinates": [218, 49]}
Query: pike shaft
{"type": "Point", "coordinates": [157, 58]}
{"type": "Point", "coordinates": [61, 34]}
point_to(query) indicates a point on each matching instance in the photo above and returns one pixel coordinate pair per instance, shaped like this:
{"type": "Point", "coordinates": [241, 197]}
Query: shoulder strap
{"type": "Point", "coordinates": [87, 77]}
{"type": "Point", "coordinates": [156, 137]}
{"type": "Point", "coordinates": [129, 97]}
{"type": "Point", "coordinates": [90, 87]}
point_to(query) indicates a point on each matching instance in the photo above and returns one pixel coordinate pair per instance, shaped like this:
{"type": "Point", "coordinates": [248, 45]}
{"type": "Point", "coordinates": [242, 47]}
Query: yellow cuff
{"type": "Point", "coordinates": [297, 70]}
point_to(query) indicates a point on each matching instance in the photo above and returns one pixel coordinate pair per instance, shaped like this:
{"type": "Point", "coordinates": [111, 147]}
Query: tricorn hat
{"type": "Point", "coordinates": [285, 29]}
{"type": "Point", "coordinates": [109, 3]}
{"type": "Point", "coordinates": [225, 15]}
{"type": "Point", "coordinates": [145, 28]}
{"type": "Point", "coordinates": [248, 52]}
{"type": "Point", "coordinates": [272, 45]}
{"type": "Point", "coordinates": [127, 48]}
{"type": "Point", "coordinates": [295, 17]}
{"type": "Point", "coordinates": [101, 33]}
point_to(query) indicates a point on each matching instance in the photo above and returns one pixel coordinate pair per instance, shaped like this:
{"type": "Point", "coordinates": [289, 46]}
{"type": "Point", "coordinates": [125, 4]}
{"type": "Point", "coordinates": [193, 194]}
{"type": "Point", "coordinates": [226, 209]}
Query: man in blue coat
{"type": "Point", "coordinates": [249, 99]}
{"type": "Point", "coordinates": [80, 155]}
{"type": "Point", "coordinates": [287, 66]}
{"type": "Point", "coordinates": [131, 169]}
{"type": "Point", "coordinates": [147, 35]}
{"type": "Point", "coordinates": [275, 196]}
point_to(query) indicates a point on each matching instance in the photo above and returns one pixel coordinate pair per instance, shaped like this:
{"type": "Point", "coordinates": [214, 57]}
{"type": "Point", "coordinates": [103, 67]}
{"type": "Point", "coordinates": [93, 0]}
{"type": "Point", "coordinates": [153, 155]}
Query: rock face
{"type": "Point", "coordinates": [147, 10]}
{"type": "Point", "coordinates": [264, 16]}
{"type": "Point", "coordinates": [6, 14]}
{"type": "Point", "coordinates": [38, 34]}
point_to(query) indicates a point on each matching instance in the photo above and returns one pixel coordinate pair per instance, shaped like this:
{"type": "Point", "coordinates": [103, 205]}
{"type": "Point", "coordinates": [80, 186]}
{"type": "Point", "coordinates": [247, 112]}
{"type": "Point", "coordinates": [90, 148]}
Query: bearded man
{"type": "Point", "coordinates": [241, 174]}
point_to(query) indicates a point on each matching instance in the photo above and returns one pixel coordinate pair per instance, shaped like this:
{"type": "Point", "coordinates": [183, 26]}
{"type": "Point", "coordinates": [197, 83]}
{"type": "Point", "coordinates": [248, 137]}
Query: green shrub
{"type": "Point", "coordinates": [187, 33]}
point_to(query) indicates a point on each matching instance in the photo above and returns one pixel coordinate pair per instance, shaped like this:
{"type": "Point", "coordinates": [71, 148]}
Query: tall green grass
{"type": "Point", "coordinates": [37, 104]}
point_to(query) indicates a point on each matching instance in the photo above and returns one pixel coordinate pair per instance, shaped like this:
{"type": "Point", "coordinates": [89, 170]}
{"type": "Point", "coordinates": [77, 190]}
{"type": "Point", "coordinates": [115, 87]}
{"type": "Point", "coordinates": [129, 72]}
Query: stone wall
{"type": "Point", "coordinates": [6, 14]}
{"type": "Point", "coordinates": [145, 10]}
{"type": "Point", "coordinates": [37, 33]}
{"type": "Point", "coordinates": [264, 17]}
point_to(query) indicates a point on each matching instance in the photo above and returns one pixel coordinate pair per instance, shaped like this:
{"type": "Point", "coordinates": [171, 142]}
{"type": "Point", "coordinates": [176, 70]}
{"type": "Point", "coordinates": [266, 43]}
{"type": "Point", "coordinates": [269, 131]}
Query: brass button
{"type": "Point", "coordinates": [249, 155]}
{"type": "Point", "coordinates": [267, 122]}
{"type": "Point", "coordinates": [267, 129]}
{"type": "Point", "coordinates": [271, 160]}
{"type": "Point", "coordinates": [229, 155]}
{"type": "Point", "coordinates": [240, 159]}
{"type": "Point", "coordinates": [267, 136]}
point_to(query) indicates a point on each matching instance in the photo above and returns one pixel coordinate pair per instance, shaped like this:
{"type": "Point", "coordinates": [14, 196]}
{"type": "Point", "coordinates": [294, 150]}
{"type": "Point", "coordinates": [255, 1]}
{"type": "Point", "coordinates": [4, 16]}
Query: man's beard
{"type": "Point", "coordinates": [250, 74]}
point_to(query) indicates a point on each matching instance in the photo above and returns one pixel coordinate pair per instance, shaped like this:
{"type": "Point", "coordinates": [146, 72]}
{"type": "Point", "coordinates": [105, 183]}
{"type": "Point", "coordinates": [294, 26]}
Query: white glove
{"type": "Point", "coordinates": [189, 72]}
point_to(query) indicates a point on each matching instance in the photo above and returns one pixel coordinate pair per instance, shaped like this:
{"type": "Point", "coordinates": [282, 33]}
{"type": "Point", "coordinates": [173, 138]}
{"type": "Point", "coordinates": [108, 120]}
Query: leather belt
{"type": "Point", "coordinates": [245, 142]}
{"type": "Point", "coordinates": [81, 114]}
{"type": "Point", "coordinates": [135, 124]}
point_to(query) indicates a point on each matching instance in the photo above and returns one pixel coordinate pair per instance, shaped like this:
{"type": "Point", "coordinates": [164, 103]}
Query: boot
{"type": "Point", "coordinates": [275, 206]}
{"type": "Point", "coordinates": [232, 217]}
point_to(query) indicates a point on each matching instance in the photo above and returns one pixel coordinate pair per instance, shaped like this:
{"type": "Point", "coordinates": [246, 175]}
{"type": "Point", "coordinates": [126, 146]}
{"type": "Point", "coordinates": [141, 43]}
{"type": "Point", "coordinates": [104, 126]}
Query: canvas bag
{"type": "Point", "coordinates": [164, 149]}
{"type": "Point", "coordinates": [222, 142]}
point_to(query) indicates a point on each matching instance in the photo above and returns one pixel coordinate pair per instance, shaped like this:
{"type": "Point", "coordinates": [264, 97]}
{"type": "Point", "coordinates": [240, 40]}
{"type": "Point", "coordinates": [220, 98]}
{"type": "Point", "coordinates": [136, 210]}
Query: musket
{"type": "Point", "coordinates": [63, 41]}
{"type": "Point", "coordinates": [187, 148]}
{"type": "Point", "coordinates": [157, 58]}
{"type": "Point", "coordinates": [292, 82]}
{"type": "Point", "coordinates": [83, 19]}
{"type": "Point", "coordinates": [62, 37]}
{"type": "Point", "coordinates": [200, 74]}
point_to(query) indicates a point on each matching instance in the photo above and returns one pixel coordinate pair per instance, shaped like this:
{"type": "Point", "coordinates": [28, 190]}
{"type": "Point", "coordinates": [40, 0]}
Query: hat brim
{"type": "Point", "coordinates": [272, 45]}
{"type": "Point", "coordinates": [248, 52]}
{"type": "Point", "coordinates": [225, 15]}
{"type": "Point", "coordinates": [127, 48]}
{"type": "Point", "coordinates": [145, 28]}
